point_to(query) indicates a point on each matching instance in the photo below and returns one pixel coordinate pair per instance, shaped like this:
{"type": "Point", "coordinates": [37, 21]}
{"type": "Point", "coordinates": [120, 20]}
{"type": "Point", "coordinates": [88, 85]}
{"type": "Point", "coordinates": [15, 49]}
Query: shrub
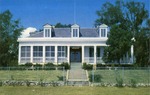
{"type": "Point", "coordinates": [97, 78]}
{"type": "Point", "coordinates": [133, 83]}
{"type": "Point", "coordinates": [119, 81]}
{"type": "Point", "coordinates": [65, 65]}
{"type": "Point", "coordinates": [28, 64]}
{"type": "Point", "coordinates": [1, 83]}
{"type": "Point", "coordinates": [100, 65]}
{"type": "Point", "coordinates": [50, 66]}
{"type": "Point", "coordinates": [38, 66]}
{"type": "Point", "coordinates": [87, 66]}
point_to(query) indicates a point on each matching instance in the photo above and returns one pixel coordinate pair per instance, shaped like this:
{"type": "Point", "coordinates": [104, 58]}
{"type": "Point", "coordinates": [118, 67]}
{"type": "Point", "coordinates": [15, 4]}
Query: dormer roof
{"type": "Point", "coordinates": [47, 25]}
{"type": "Point", "coordinates": [75, 26]}
{"type": "Point", "coordinates": [103, 26]}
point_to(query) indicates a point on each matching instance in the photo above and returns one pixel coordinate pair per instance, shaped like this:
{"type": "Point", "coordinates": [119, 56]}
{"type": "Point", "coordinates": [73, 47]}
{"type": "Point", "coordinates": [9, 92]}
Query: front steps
{"type": "Point", "coordinates": [77, 77]}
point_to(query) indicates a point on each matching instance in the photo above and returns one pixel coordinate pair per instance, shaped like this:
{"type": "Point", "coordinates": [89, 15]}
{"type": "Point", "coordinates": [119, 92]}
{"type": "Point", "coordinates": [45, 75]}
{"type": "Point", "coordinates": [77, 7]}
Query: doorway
{"type": "Point", "coordinates": [75, 54]}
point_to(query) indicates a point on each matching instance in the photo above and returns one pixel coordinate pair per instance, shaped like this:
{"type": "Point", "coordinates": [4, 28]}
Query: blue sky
{"type": "Point", "coordinates": [35, 13]}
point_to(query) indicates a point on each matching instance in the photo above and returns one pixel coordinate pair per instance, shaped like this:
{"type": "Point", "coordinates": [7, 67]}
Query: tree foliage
{"type": "Point", "coordinates": [126, 20]}
{"type": "Point", "coordinates": [59, 25]}
{"type": "Point", "coordinates": [9, 32]}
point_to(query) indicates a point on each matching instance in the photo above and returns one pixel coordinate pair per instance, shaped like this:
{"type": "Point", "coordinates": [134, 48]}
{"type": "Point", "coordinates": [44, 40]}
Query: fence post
{"type": "Point", "coordinates": [148, 76]}
{"type": "Point", "coordinates": [63, 74]}
{"type": "Point", "coordinates": [93, 75]}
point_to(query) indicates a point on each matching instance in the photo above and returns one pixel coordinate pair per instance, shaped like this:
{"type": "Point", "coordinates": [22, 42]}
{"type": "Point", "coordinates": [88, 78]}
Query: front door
{"type": "Point", "coordinates": [75, 54]}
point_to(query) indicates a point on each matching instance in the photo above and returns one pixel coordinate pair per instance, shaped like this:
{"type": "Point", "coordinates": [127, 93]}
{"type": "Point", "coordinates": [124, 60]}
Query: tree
{"type": "Point", "coordinates": [9, 32]}
{"type": "Point", "coordinates": [59, 25]}
{"type": "Point", "coordinates": [125, 20]}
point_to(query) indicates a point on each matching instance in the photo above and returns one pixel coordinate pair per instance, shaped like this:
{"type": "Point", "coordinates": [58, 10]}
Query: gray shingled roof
{"type": "Point", "coordinates": [66, 32]}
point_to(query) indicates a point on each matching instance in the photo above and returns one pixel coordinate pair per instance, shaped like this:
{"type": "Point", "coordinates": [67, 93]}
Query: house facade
{"type": "Point", "coordinates": [57, 45]}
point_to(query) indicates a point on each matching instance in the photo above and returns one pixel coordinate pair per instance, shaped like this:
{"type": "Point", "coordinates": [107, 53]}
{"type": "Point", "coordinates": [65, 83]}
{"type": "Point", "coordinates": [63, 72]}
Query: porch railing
{"type": "Point", "coordinates": [37, 59]}
{"type": "Point", "coordinates": [50, 59]}
{"type": "Point", "coordinates": [25, 59]}
{"type": "Point", "coordinates": [62, 59]}
{"type": "Point", "coordinates": [89, 59]}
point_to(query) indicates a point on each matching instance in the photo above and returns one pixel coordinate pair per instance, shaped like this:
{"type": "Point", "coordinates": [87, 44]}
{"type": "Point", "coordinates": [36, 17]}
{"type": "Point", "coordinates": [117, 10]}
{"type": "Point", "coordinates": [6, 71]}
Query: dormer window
{"type": "Point", "coordinates": [47, 30]}
{"type": "Point", "coordinates": [103, 30]}
{"type": "Point", "coordinates": [47, 33]}
{"type": "Point", "coordinates": [75, 30]}
{"type": "Point", "coordinates": [75, 33]}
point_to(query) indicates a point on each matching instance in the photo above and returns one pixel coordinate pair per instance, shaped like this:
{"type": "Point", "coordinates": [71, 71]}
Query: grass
{"type": "Point", "coordinates": [46, 75]}
{"type": "Point", "coordinates": [109, 76]}
{"type": "Point", "coordinates": [69, 90]}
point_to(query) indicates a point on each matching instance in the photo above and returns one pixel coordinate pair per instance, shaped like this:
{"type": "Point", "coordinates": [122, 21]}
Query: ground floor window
{"type": "Point", "coordinates": [62, 51]}
{"type": "Point", "coordinates": [50, 51]}
{"type": "Point", "coordinates": [37, 51]}
{"type": "Point", "coordinates": [25, 51]}
{"type": "Point", "coordinates": [91, 52]}
{"type": "Point", "coordinates": [25, 54]}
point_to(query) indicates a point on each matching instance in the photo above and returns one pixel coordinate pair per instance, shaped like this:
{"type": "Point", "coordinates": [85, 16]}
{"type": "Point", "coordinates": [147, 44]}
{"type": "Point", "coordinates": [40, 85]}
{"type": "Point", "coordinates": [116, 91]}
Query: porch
{"type": "Point", "coordinates": [58, 54]}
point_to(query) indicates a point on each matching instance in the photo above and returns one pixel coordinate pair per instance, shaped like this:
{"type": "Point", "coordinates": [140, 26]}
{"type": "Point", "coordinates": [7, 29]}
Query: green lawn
{"type": "Point", "coordinates": [109, 76]}
{"type": "Point", "coordinates": [46, 75]}
{"type": "Point", "coordinates": [67, 90]}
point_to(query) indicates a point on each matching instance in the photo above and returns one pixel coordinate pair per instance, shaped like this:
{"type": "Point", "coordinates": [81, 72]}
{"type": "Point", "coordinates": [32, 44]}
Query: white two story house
{"type": "Point", "coordinates": [57, 45]}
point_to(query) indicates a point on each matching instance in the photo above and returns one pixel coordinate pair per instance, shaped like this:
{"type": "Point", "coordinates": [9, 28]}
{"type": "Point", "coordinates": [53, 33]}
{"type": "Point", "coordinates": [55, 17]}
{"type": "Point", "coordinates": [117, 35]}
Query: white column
{"type": "Point", "coordinates": [106, 33]}
{"type": "Point", "coordinates": [132, 54]}
{"type": "Point", "coordinates": [95, 54]}
{"type": "Point", "coordinates": [43, 54]}
{"type": "Point", "coordinates": [82, 54]}
{"type": "Point", "coordinates": [31, 54]}
{"type": "Point", "coordinates": [19, 55]}
{"type": "Point", "coordinates": [56, 52]}
{"type": "Point", "coordinates": [68, 55]}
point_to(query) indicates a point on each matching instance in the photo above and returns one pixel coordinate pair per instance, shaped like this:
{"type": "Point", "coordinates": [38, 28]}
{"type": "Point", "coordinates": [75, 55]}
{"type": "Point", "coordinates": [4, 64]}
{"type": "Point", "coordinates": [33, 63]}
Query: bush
{"type": "Point", "coordinates": [65, 65]}
{"type": "Point", "coordinates": [87, 66]}
{"type": "Point", "coordinates": [49, 66]}
{"type": "Point", "coordinates": [37, 65]}
{"type": "Point", "coordinates": [133, 83]}
{"type": "Point", "coordinates": [119, 81]}
{"type": "Point", "coordinates": [1, 83]}
{"type": "Point", "coordinates": [97, 78]}
{"type": "Point", "coordinates": [28, 64]}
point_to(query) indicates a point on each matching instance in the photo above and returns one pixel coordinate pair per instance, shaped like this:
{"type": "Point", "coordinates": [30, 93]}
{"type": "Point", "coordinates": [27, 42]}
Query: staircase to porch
{"type": "Point", "coordinates": [76, 76]}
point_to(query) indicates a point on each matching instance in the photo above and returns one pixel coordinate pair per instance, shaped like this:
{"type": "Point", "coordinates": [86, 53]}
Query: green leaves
{"type": "Point", "coordinates": [9, 32]}
{"type": "Point", "coordinates": [125, 19]}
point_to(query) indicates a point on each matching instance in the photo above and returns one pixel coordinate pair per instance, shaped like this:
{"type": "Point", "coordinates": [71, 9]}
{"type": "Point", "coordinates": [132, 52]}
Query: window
{"type": "Point", "coordinates": [103, 32]}
{"type": "Point", "coordinates": [62, 51]}
{"type": "Point", "coordinates": [37, 51]}
{"type": "Point", "coordinates": [50, 51]}
{"type": "Point", "coordinates": [91, 52]}
{"type": "Point", "coordinates": [47, 33]}
{"type": "Point", "coordinates": [98, 51]}
{"type": "Point", "coordinates": [75, 33]}
{"type": "Point", "coordinates": [25, 51]}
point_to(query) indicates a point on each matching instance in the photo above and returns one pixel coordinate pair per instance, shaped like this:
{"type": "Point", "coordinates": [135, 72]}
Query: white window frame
{"type": "Point", "coordinates": [47, 32]}
{"type": "Point", "coordinates": [51, 53]}
{"type": "Point", "coordinates": [62, 51]}
{"type": "Point", "coordinates": [103, 32]}
{"type": "Point", "coordinates": [25, 53]}
{"type": "Point", "coordinates": [76, 34]}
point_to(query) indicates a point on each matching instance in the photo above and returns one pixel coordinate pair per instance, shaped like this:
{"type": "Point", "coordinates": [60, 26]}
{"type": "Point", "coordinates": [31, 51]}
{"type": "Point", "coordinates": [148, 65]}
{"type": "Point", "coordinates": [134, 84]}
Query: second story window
{"type": "Point", "coordinates": [47, 33]}
{"type": "Point", "coordinates": [103, 32]}
{"type": "Point", "coordinates": [75, 33]}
